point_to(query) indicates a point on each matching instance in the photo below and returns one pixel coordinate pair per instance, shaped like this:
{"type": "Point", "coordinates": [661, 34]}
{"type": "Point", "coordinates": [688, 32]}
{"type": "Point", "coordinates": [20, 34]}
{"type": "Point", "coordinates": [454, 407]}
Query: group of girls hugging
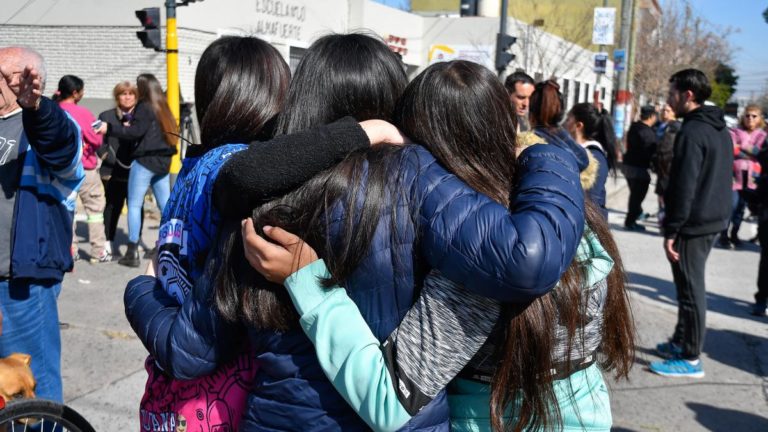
{"type": "Point", "coordinates": [347, 250]}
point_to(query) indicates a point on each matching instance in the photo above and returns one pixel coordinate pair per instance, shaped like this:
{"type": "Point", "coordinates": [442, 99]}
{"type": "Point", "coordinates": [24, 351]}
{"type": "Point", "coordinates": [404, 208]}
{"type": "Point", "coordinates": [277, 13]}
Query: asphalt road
{"type": "Point", "coordinates": [104, 374]}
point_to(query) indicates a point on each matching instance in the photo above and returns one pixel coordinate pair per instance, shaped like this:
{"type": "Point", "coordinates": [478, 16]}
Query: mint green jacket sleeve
{"type": "Point", "coordinates": [349, 353]}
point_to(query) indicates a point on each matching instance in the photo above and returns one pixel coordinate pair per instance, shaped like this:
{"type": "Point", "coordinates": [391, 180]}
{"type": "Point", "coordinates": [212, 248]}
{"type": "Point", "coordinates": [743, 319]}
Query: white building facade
{"type": "Point", "coordinates": [96, 39]}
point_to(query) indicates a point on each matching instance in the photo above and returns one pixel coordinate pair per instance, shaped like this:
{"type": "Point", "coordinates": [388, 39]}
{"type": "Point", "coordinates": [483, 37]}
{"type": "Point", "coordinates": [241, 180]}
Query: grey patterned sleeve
{"type": "Point", "coordinates": [437, 338]}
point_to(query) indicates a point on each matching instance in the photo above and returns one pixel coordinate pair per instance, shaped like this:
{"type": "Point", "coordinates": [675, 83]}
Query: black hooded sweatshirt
{"type": "Point", "coordinates": [698, 198]}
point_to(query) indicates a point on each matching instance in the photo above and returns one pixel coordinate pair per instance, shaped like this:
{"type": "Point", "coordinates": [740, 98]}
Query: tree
{"type": "Point", "coordinates": [765, 15]}
{"type": "Point", "coordinates": [544, 52]}
{"type": "Point", "coordinates": [720, 94]}
{"type": "Point", "coordinates": [680, 39]}
{"type": "Point", "coordinates": [723, 84]}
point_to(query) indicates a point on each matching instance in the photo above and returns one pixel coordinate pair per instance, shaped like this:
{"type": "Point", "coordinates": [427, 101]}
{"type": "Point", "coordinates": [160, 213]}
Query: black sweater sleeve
{"type": "Point", "coordinates": [270, 169]}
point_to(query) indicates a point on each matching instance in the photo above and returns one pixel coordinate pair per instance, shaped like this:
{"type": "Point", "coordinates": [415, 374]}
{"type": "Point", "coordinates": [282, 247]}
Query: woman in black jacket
{"type": "Point", "coordinates": [116, 156]}
{"type": "Point", "coordinates": [154, 129]}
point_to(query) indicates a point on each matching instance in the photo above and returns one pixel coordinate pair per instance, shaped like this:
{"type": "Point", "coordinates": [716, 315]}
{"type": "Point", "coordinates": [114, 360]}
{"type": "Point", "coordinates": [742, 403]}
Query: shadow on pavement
{"type": "Point", "coordinates": [737, 350]}
{"type": "Point", "coordinates": [723, 419]}
{"type": "Point", "coordinates": [621, 429]}
{"type": "Point", "coordinates": [644, 356]}
{"type": "Point", "coordinates": [663, 290]}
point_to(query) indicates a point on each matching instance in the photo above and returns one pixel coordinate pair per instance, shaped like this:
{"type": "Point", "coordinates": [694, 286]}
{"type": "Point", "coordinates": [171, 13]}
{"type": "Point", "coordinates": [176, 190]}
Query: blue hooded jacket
{"type": "Point", "coordinates": [51, 147]}
{"type": "Point", "coordinates": [515, 254]}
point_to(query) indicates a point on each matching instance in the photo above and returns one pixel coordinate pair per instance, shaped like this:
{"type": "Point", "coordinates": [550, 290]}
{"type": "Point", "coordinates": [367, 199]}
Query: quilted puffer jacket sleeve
{"type": "Point", "coordinates": [187, 341]}
{"type": "Point", "coordinates": [512, 255]}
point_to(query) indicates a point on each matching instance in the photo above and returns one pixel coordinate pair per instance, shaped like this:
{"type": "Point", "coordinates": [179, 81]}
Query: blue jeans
{"type": "Point", "coordinates": [139, 180]}
{"type": "Point", "coordinates": [31, 326]}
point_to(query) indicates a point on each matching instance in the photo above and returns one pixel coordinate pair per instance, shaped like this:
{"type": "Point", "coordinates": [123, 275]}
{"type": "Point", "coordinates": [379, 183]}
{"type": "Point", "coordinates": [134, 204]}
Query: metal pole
{"type": "Point", "coordinates": [172, 64]}
{"type": "Point", "coordinates": [623, 95]}
{"type": "Point", "coordinates": [596, 92]}
{"type": "Point", "coordinates": [503, 27]}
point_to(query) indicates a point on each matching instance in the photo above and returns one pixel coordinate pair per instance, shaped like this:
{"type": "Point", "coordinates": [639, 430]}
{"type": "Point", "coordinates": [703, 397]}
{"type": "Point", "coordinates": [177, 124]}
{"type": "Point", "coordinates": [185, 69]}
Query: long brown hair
{"type": "Point", "coordinates": [526, 354]}
{"type": "Point", "coordinates": [547, 108]}
{"type": "Point", "coordinates": [151, 92]}
{"type": "Point", "coordinates": [460, 111]}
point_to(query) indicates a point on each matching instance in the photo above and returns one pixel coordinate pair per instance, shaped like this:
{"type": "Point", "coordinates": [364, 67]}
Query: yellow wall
{"type": "Point", "coordinates": [569, 19]}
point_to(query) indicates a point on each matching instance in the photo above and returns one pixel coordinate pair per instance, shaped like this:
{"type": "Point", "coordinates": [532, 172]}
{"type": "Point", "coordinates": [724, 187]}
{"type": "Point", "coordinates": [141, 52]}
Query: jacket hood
{"type": "Point", "coordinates": [709, 114]}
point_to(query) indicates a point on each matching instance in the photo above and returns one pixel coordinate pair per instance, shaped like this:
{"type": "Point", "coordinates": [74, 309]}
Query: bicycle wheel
{"type": "Point", "coordinates": [41, 415]}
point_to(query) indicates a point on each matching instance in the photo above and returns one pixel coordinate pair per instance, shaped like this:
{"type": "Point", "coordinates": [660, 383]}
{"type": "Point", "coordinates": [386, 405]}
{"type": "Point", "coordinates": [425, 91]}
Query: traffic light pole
{"type": "Point", "coordinates": [502, 29]}
{"type": "Point", "coordinates": [172, 64]}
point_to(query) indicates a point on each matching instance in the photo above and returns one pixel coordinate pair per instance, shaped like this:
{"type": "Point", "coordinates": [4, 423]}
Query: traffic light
{"type": "Point", "coordinates": [504, 43]}
{"type": "Point", "coordinates": [150, 19]}
{"type": "Point", "coordinates": [468, 8]}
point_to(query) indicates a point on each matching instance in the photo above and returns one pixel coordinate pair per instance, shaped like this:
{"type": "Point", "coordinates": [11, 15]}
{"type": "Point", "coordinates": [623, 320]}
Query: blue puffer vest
{"type": "Point", "coordinates": [515, 254]}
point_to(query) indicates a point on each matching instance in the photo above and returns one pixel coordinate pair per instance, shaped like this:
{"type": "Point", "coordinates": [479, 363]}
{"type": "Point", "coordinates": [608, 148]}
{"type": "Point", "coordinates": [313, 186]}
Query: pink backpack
{"type": "Point", "coordinates": [213, 403]}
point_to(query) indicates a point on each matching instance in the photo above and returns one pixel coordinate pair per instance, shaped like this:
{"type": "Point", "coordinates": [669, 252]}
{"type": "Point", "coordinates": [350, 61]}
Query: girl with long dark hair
{"type": "Point", "coordinates": [383, 218]}
{"type": "Point", "coordinates": [155, 131]}
{"type": "Point", "coordinates": [244, 80]}
{"type": "Point", "coordinates": [593, 129]}
{"type": "Point", "coordinates": [70, 91]}
{"type": "Point", "coordinates": [541, 360]}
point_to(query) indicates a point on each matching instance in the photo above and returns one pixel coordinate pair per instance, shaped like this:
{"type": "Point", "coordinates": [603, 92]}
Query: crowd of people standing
{"type": "Point", "coordinates": [334, 223]}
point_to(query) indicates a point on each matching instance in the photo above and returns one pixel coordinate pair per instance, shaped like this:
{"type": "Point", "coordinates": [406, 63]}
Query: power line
{"type": "Point", "coordinates": [21, 9]}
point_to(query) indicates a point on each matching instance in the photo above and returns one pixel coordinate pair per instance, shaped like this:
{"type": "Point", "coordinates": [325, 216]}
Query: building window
{"type": "Point", "coordinates": [566, 85]}
{"type": "Point", "coordinates": [538, 77]}
{"type": "Point", "coordinates": [576, 92]}
{"type": "Point", "coordinates": [296, 55]}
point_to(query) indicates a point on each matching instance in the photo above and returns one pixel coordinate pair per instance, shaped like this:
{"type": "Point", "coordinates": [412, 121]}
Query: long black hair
{"type": "Point", "coordinates": [240, 86]}
{"type": "Point", "coordinates": [68, 85]}
{"type": "Point", "coordinates": [341, 75]}
{"type": "Point", "coordinates": [598, 126]}
{"type": "Point", "coordinates": [460, 111]}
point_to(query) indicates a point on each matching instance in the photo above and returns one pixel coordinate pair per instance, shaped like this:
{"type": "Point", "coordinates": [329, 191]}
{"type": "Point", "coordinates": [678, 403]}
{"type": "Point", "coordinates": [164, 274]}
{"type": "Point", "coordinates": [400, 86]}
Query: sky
{"type": "Point", "coordinates": [750, 58]}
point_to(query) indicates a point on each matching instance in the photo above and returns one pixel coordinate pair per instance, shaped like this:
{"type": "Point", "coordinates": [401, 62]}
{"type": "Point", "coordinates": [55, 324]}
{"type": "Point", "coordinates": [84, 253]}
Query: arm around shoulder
{"type": "Point", "coordinates": [516, 254]}
{"type": "Point", "coordinates": [270, 169]}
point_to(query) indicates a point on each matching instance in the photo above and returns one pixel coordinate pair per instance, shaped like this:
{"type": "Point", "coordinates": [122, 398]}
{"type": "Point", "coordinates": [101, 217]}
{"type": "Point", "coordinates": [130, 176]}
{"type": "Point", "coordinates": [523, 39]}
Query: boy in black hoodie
{"type": "Point", "coordinates": [760, 207]}
{"type": "Point", "coordinates": [699, 184]}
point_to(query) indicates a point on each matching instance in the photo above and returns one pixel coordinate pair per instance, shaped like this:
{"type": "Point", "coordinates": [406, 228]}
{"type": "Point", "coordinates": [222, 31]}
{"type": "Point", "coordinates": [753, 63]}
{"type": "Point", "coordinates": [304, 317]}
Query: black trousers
{"type": "Point", "coordinates": [116, 191]}
{"type": "Point", "coordinates": [762, 273]}
{"type": "Point", "coordinates": [638, 188]}
{"type": "Point", "coordinates": [688, 274]}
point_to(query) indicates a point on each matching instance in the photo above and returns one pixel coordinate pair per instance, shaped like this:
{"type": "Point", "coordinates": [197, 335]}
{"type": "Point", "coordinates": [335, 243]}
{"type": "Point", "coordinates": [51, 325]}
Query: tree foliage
{"type": "Point", "coordinates": [720, 93]}
{"type": "Point", "coordinates": [723, 84]}
{"type": "Point", "coordinates": [680, 39]}
{"type": "Point", "coordinates": [553, 56]}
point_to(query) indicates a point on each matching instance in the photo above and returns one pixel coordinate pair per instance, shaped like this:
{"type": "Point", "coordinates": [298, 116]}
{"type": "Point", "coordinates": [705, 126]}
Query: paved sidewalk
{"type": "Point", "coordinates": [733, 396]}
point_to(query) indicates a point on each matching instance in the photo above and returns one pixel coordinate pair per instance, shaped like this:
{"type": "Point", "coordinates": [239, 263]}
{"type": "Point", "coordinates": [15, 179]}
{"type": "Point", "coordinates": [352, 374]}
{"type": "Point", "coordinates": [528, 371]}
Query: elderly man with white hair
{"type": "Point", "coordinates": [40, 171]}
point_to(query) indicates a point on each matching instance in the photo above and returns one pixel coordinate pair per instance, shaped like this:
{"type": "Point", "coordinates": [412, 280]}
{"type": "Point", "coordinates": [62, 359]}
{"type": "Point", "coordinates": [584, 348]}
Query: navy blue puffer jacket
{"type": "Point", "coordinates": [515, 254]}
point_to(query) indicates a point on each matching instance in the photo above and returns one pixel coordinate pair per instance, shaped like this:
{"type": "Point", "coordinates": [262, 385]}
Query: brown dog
{"type": "Point", "coordinates": [16, 379]}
